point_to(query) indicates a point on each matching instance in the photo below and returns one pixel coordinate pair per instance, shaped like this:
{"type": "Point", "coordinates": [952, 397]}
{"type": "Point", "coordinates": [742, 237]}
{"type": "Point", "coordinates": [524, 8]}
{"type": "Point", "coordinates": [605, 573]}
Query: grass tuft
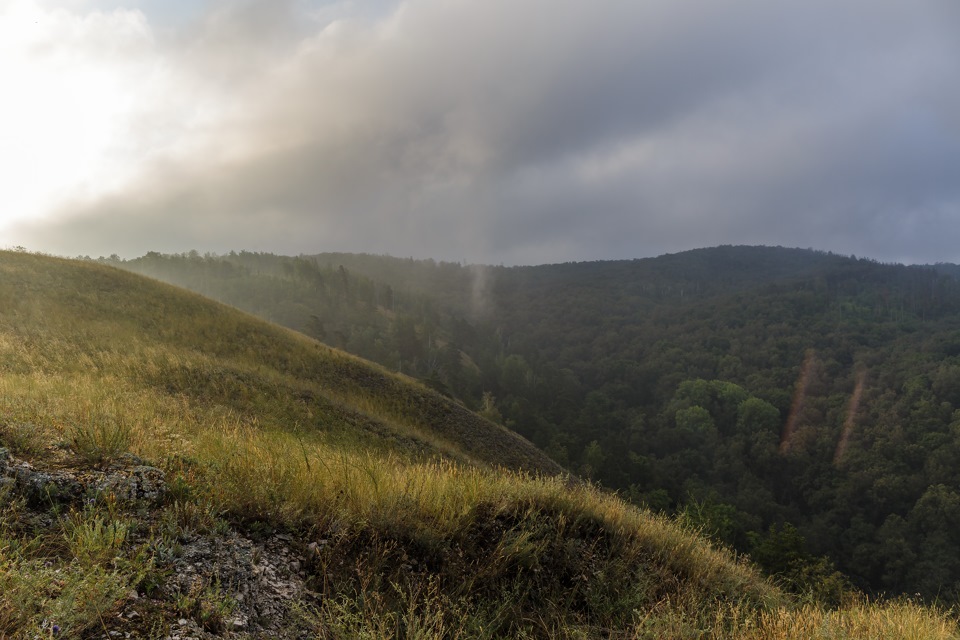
{"type": "Point", "coordinates": [101, 439]}
{"type": "Point", "coordinates": [207, 604]}
{"type": "Point", "coordinates": [93, 538]}
{"type": "Point", "coordinates": [25, 438]}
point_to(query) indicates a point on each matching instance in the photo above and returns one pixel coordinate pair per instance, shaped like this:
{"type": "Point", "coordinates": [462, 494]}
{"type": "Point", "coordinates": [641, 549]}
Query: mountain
{"type": "Point", "coordinates": [776, 397]}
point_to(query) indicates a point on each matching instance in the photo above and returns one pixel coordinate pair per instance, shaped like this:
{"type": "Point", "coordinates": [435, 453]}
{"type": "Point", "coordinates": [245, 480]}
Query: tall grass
{"type": "Point", "coordinates": [861, 620]}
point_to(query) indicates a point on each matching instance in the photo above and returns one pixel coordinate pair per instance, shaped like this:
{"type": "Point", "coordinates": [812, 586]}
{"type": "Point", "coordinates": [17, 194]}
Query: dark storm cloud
{"type": "Point", "coordinates": [542, 131]}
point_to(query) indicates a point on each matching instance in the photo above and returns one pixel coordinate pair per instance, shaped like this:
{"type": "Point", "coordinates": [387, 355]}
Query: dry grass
{"type": "Point", "coordinates": [893, 620]}
{"type": "Point", "coordinates": [64, 581]}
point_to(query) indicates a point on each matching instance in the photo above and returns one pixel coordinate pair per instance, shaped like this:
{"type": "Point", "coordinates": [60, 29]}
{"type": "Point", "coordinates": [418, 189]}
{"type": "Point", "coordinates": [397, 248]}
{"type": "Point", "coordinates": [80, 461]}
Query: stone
{"type": "Point", "coordinates": [140, 483]}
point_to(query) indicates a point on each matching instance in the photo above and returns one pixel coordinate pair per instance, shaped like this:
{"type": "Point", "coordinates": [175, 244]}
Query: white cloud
{"type": "Point", "coordinates": [69, 80]}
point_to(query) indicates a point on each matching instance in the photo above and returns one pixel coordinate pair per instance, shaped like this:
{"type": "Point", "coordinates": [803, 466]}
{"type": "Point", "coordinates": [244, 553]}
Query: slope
{"type": "Point", "coordinates": [173, 468]}
{"type": "Point", "coordinates": [213, 354]}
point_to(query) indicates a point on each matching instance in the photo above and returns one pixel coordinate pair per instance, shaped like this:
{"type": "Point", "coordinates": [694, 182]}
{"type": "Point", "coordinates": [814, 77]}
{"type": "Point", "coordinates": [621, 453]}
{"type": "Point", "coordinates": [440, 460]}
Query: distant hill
{"type": "Point", "coordinates": [952, 270]}
{"type": "Point", "coordinates": [653, 364]}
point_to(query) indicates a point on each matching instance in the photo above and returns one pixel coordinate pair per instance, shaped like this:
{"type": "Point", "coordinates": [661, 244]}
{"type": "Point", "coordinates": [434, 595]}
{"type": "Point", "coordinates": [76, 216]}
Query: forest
{"type": "Point", "coordinates": [796, 405]}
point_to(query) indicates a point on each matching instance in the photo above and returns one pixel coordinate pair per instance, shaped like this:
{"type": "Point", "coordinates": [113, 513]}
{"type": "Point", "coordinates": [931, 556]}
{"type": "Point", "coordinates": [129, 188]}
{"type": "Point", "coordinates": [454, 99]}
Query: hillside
{"type": "Point", "coordinates": [781, 398]}
{"type": "Point", "coordinates": [759, 390]}
{"type": "Point", "coordinates": [173, 468]}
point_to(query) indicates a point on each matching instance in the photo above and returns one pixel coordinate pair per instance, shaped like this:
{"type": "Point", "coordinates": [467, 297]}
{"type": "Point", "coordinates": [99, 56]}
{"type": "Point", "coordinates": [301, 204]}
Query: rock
{"type": "Point", "coordinates": [46, 488]}
{"type": "Point", "coordinates": [258, 581]}
{"type": "Point", "coordinates": [140, 483]}
{"type": "Point", "coordinates": [129, 460]}
{"type": "Point", "coordinates": [254, 575]}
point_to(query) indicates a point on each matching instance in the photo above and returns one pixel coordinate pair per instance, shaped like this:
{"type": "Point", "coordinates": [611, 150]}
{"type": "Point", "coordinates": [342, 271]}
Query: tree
{"type": "Point", "coordinates": [593, 460]}
{"type": "Point", "coordinates": [757, 416]}
{"type": "Point", "coordinates": [408, 342]}
{"type": "Point", "coordinates": [489, 408]}
{"type": "Point", "coordinates": [695, 420]}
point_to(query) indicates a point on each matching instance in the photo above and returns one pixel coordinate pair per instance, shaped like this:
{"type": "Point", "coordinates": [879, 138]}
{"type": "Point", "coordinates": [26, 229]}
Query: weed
{"type": "Point", "coordinates": [93, 538]}
{"type": "Point", "coordinates": [207, 604]}
{"type": "Point", "coordinates": [25, 438]}
{"type": "Point", "coordinates": [181, 519]}
{"type": "Point", "coordinates": [72, 596]}
{"type": "Point", "coordinates": [101, 440]}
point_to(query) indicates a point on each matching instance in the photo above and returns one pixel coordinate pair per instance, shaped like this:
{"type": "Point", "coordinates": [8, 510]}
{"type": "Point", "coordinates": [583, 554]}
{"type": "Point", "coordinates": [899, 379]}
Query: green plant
{"type": "Point", "coordinates": [101, 440]}
{"type": "Point", "coordinates": [207, 604]}
{"type": "Point", "coordinates": [25, 438]}
{"type": "Point", "coordinates": [38, 593]}
{"type": "Point", "coordinates": [94, 538]}
{"type": "Point", "coordinates": [180, 519]}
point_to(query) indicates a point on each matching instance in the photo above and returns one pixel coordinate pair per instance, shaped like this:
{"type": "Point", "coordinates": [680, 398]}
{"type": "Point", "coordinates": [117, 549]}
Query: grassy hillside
{"type": "Point", "coordinates": [71, 316]}
{"type": "Point", "coordinates": [170, 467]}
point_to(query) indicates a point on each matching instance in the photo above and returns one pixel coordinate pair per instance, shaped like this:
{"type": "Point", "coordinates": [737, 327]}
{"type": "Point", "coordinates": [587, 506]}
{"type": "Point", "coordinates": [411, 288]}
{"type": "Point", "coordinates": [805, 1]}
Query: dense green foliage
{"type": "Point", "coordinates": [782, 399]}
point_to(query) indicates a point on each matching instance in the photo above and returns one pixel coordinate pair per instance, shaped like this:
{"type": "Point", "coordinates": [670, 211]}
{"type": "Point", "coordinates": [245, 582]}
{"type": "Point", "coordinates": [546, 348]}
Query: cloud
{"type": "Point", "coordinates": [533, 130]}
{"type": "Point", "coordinates": [65, 80]}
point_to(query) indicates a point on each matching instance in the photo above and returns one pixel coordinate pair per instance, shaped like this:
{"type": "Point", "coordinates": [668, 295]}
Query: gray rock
{"type": "Point", "coordinates": [140, 483]}
{"type": "Point", "coordinates": [46, 487]}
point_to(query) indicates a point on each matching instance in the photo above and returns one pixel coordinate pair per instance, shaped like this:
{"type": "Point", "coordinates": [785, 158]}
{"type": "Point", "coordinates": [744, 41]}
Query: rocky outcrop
{"type": "Point", "coordinates": [259, 583]}
{"type": "Point", "coordinates": [218, 582]}
{"type": "Point", "coordinates": [128, 479]}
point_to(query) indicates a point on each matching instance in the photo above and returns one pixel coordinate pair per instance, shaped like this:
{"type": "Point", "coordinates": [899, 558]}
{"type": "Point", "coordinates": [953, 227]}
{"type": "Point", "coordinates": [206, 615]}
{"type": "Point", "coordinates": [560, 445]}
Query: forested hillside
{"type": "Point", "coordinates": [797, 404]}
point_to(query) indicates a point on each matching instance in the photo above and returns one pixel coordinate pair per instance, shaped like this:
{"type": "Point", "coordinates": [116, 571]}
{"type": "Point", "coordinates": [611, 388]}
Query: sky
{"type": "Point", "coordinates": [484, 131]}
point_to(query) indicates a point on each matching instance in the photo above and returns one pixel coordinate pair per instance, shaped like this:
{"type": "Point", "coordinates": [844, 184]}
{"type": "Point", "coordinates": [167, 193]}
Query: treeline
{"type": "Point", "coordinates": [799, 405]}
